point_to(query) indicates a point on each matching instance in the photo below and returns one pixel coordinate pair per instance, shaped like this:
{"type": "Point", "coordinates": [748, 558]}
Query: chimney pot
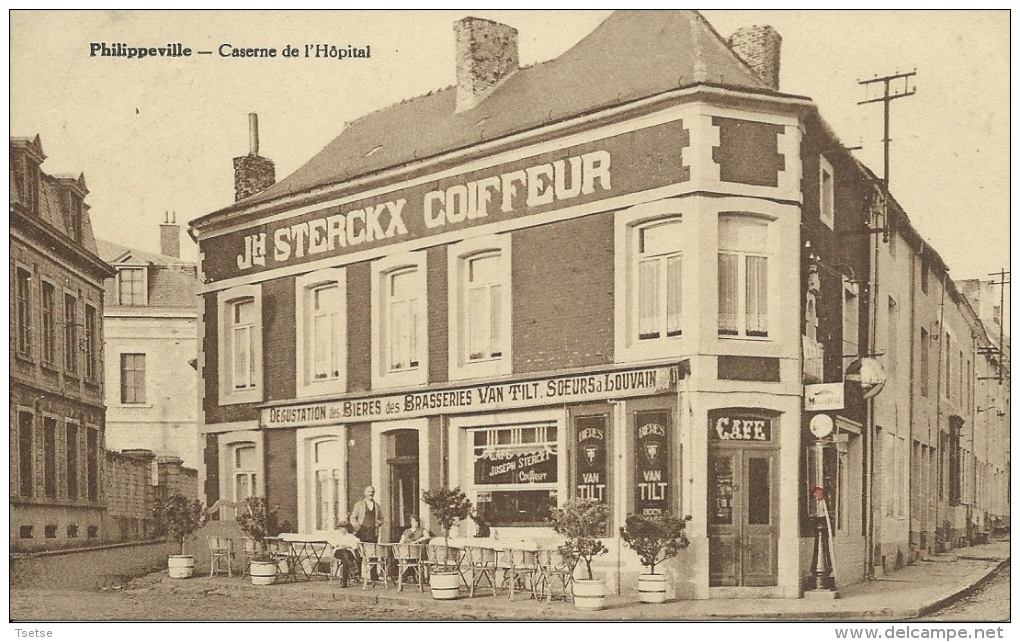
{"type": "Point", "coordinates": [252, 173]}
{"type": "Point", "coordinates": [759, 47]}
{"type": "Point", "coordinates": [253, 134]}
{"type": "Point", "coordinates": [486, 55]}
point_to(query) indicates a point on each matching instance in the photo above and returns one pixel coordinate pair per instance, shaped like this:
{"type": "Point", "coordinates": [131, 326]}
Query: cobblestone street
{"type": "Point", "coordinates": [988, 604]}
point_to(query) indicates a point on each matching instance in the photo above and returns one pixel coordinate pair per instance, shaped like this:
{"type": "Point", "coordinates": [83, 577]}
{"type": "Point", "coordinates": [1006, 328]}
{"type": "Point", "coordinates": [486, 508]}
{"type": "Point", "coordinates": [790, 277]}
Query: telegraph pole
{"type": "Point", "coordinates": [890, 92]}
{"type": "Point", "coordinates": [1003, 275]}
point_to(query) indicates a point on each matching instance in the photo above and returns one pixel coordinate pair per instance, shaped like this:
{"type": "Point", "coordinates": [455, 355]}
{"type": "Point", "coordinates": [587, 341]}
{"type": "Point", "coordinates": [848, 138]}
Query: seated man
{"type": "Point", "coordinates": [345, 549]}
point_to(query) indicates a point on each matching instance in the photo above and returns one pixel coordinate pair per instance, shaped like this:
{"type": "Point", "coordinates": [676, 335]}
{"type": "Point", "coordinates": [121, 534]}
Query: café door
{"type": "Point", "coordinates": [742, 546]}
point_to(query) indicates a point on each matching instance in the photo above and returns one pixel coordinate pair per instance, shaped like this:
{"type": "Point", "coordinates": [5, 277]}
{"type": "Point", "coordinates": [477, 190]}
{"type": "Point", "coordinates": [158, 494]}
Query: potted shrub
{"type": "Point", "coordinates": [655, 539]}
{"type": "Point", "coordinates": [448, 506]}
{"type": "Point", "coordinates": [258, 521]}
{"type": "Point", "coordinates": [176, 518]}
{"type": "Point", "coordinates": [583, 521]}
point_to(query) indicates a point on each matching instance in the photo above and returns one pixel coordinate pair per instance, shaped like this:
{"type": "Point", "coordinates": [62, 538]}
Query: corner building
{"type": "Point", "coordinates": [581, 278]}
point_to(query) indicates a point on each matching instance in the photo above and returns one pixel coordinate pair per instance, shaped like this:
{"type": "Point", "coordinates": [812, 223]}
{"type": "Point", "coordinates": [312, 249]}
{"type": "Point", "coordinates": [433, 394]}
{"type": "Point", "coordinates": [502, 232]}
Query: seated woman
{"type": "Point", "coordinates": [345, 548]}
{"type": "Point", "coordinates": [415, 535]}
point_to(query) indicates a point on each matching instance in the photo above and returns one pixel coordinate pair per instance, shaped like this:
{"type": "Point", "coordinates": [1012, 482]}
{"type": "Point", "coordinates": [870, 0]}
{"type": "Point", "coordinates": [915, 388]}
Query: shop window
{"type": "Point", "coordinates": [91, 344]}
{"type": "Point", "coordinates": [480, 310]}
{"type": "Point", "coordinates": [743, 277]}
{"type": "Point", "coordinates": [515, 474]}
{"type": "Point", "coordinates": [658, 269]}
{"type": "Point", "coordinates": [49, 323]}
{"type": "Point", "coordinates": [70, 334]}
{"type": "Point", "coordinates": [826, 193]}
{"type": "Point", "coordinates": [50, 457]}
{"type": "Point", "coordinates": [240, 351]}
{"type": "Point", "coordinates": [322, 331]}
{"type": "Point", "coordinates": [72, 461]}
{"type": "Point", "coordinates": [131, 288]}
{"type": "Point", "coordinates": [22, 285]}
{"type": "Point", "coordinates": [26, 448]}
{"type": "Point", "coordinates": [399, 324]}
{"type": "Point", "coordinates": [132, 378]}
{"type": "Point", "coordinates": [245, 477]}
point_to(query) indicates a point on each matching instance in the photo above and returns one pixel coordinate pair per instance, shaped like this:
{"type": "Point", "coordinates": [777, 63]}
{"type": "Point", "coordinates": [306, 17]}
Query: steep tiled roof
{"type": "Point", "coordinates": [631, 55]}
{"type": "Point", "coordinates": [113, 254]}
{"type": "Point", "coordinates": [171, 282]}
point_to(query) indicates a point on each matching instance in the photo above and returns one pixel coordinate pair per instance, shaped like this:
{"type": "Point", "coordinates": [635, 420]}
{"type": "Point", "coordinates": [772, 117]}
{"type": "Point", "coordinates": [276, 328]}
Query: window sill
{"type": "Point", "coordinates": [24, 358]}
{"type": "Point", "coordinates": [740, 337]}
{"type": "Point", "coordinates": [134, 405]}
{"type": "Point", "coordinates": [50, 368]}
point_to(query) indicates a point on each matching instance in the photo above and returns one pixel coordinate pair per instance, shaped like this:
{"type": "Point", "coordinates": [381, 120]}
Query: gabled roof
{"type": "Point", "coordinates": [630, 56]}
{"type": "Point", "coordinates": [115, 254]}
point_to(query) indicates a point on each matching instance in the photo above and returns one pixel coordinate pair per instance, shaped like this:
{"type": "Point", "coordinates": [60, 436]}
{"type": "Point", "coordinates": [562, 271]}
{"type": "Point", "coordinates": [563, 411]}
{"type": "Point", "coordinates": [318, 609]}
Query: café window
{"type": "Point", "coordinates": [399, 320]}
{"type": "Point", "coordinates": [515, 476]}
{"type": "Point", "coordinates": [322, 331]}
{"type": "Point", "coordinates": [657, 269]}
{"type": "Point", "coordinates": [480, 307]}
{"type": "Point", "coordinates": [743, 276]}
{"type": "Point", "coordinates": [240, 345]}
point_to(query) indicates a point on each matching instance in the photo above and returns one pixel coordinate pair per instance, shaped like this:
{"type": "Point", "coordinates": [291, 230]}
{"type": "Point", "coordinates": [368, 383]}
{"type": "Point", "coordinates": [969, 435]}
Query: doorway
{"type": "Point", "coordinates": [742, 515]}
{"type": "Point", "coordinates": [404, 492]}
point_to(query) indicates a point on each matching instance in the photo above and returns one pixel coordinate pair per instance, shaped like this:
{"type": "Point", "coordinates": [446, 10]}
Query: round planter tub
{"type": "Point", "coordinates": [652, 588]}
{"type": "Point", "coordinates": [445, 585]}
{"type": "Point", "coordinates": [589, 595]}
{"type": "Point", "coordinates": [263, 573]}
{"type": "Point", "coordinates": [181, 566]}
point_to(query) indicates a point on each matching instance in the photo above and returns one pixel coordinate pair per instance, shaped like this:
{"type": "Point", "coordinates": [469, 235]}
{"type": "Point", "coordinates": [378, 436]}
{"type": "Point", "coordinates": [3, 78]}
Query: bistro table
{"type": "Point", "coordinates": [499, 546]}
{"type": "Point", "coordinates": [307, 551]}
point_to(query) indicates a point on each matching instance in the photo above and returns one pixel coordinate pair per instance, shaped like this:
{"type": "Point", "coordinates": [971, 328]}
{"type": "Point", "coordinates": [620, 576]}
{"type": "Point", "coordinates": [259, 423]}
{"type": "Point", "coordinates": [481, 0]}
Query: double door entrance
{"type": "Point", "coordinates": [742, 515]}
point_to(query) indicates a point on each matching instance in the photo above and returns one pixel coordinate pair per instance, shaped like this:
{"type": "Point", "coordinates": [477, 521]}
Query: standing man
{"type": "Point", "coordinates": [366, 518]}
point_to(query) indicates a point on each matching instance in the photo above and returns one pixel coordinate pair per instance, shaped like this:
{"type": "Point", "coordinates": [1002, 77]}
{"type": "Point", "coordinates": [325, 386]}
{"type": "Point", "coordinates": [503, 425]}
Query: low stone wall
{"type": "Point", "coordinates": [87, 568]}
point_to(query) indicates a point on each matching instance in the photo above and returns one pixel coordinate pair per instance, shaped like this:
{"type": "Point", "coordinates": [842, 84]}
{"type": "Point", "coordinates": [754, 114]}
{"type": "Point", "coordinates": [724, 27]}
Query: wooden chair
{"type": "Point", "coordinates": [482, 562]}
{"type": "Point", "coordinates": [221, 551]}
{"type": "Point", "coordinates": [553, 567]}
{"type": "Point", "coordinates": [519, 565]}
{"type": "Point", "coordinates": [249, 549]}
{"type": "Point", "coordinates": [409, 558]}
{"type": "Point", "coordinates": [374, 557]}
{"type": "Point", "coordinates": [442, 556]}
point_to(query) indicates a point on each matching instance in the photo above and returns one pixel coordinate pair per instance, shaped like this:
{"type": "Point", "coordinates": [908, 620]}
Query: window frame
{"type": "Point", "coordinates": [72, 464]}
{"type": "Point", "coordinates": [48, 328]}
{"type": "Point", "coordinates": [306, 286]}
{"type": "Point", "coordinates": [227, 300]}
{"type": "Point", "coordinates": [49, 440]}
{"type": "Point", "coordinates": [662, 262]}
{"type": "Point", "coordinates": [92, 343]}
{"type": "Point", "coordinates": [383, 271]}
{"type": "Point", "coordinates": [307, 438]}
{"type": "Point", "coordinates": [460, 257]}
{"type": "Point", "coordinates": [71, 366]}
{"type": "Point", "coordinates": [26, 452]}
{"type": "Point", "coordinates": [23, 310]}
{"type": "Point", "coordinates": [93, 463]}
{"type": "Point", "coordinates": [124, 401]}
{"type": "Point", "coordinates": [229, 442]}
{"type": "Point", "coordinates": [510, 487]}
{"type": "Point", "coordinates": [143, 283]}
{"type": "Point", "coordinates": [742, 255]}
{"type": "Point", "coordinates": [826, 202]}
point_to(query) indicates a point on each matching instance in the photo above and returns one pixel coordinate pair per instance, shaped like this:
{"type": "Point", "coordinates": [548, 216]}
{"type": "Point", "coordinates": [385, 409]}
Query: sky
{"type": "Point", "coordinates": [159, 134]}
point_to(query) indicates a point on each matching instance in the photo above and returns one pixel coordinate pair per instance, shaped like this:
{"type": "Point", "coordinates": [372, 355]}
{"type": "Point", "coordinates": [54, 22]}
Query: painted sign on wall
{"type": "Point", "coordinates": [592, 477]}
{"type": "Point", "coordinates": [510, 466]}
{"type": "Point", "coordinates": [651, 463]}
{"type": "Point", "coordinates": [741, 428]}
{"type": "Point", "coordinates": [583, 173]}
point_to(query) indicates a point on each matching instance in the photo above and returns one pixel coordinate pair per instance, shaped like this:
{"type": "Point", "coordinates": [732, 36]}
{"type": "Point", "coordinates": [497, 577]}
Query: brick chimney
{"type": "Point", "coordinates": [759, 47]}
{"type": "Point", "coordinates": [486, 55]}
{"type": "Point", "coordinates": [170, 236]}
{"type": "Point", "coordinates": [252, 173]}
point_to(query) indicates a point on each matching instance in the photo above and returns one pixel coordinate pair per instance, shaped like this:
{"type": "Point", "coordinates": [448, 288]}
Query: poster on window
{"type": "Point", "coordinates": [651, 463]}
{"type": "Point", "coordinates": [591, 458]}
{"type": "Point", "coordinates": [516, 465]}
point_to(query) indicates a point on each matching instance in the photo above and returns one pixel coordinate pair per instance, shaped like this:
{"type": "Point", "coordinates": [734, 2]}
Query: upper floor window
{"type": "Point", "coordinates": [26, 172]}
{"type": "Point", "coordinates": [403, 314]}
{"type": "Point", "coordinates": [826, 193]}
{"type": "Point", "coordinates": [658, 266]}
{"type": "Point", "coordinates": [480, 307]}
{"type": "Point", "coordinates": [132, 378]}
{"type": "Point", "coordinates": [71, 205]}
{"type": "Point", "coordinates": [743, 276]}
{"type": "Point", "coordinates": [131, 286]}
{"type": "Point", "coordinates": [240, 352]}
{"type": "Point", "coordinates": [49, 323]}
{"type": "Point", "coordinates": [22, 285]}
{"type": "Point", "coordinates": [91, 343]}
{"type": "Point", "coordinates": [399, 320]}
{"type": "Point", "coordinates": [322, 333]}
{"type": "Point", "coordinates": [70, 334]}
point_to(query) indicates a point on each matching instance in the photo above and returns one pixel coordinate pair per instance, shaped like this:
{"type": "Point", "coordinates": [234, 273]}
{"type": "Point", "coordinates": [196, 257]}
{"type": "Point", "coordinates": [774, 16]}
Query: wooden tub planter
{"type": "Point", "coordinates": [181, 566]}
{"type": "Point", "coordinates": [264, 573]}
{"type": "Point", "coordinates": [445, 585]}
{"type": "Point", "coordinates": [589, 595]}
{"type": "Point", "coordinates": [652, 588]}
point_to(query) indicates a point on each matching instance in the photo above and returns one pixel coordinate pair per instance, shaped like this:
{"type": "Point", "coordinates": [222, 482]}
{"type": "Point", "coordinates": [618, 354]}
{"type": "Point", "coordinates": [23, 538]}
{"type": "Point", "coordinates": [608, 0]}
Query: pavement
{"type": "Point", "coordinates": [909, 593]}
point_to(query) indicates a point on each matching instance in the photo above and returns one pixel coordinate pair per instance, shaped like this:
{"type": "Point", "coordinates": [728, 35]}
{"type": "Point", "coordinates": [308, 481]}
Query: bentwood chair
{"type": "Point", "coordinates": [374, 557]}
{"type": "Point", "coordinates": [221, 556]}
{"type": "Point", "coordinates": [519, 569]}
{"type": "Point", "coordinates": [440, 556]}
{"type": "Point", "coordinates": [553, 567]}
{"type": "Point", "coordinates": [409, 560]}
{"type": "Point", "coordinates": [482, 563]}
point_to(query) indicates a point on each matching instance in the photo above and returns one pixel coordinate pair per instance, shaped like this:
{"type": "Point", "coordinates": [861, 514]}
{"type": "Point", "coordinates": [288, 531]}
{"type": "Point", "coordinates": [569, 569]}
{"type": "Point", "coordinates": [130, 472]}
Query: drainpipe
{"type": "Point", "coordinates": [910, 407]}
